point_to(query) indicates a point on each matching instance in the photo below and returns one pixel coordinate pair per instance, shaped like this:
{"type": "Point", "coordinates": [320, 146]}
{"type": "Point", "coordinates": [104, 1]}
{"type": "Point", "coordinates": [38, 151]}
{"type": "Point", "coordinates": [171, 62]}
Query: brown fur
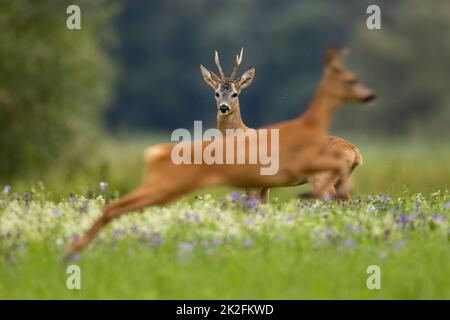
{"type": "Point", "coordinates": [302, 143]}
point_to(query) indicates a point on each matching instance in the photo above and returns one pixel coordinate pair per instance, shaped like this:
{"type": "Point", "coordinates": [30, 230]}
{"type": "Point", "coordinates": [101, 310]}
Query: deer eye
{"type": "Point", "coordinates": [217, 94]}
{"type": "Point", "coordinates": [352, 81]}
{"type": "Point", "coordinates": [234, 95]}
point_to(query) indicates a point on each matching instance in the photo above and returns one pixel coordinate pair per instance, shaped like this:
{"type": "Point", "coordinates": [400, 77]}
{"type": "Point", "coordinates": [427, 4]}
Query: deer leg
{"type": "Point", "coordinates": [337, 185]}
{"type": "Point", "coordinates": [135, 200]}
{"type": "Point", "coordinates": [324, 182]}
{"type": "Point", "coordinates": [336, 167]}
{"type": "Point", "coordinates": [264, 195]}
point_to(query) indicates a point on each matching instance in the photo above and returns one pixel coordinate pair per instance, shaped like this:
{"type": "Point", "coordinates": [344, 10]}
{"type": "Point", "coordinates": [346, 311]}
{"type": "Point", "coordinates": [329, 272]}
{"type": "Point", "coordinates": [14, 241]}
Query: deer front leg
{"type": "Point", "coordinates": [264, 195]}
{"type": "Point", "coordinates": [261, 194]}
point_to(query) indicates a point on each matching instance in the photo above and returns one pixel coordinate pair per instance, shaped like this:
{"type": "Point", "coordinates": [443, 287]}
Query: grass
{"type": "Point", "coordinates": [216, 247]}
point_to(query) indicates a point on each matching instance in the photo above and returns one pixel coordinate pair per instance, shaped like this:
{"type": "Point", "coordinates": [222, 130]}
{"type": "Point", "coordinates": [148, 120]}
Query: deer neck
{"type": "Point", "coordinates": [321, 111]}
{"type": "Point", "coordinates": [232, 120]}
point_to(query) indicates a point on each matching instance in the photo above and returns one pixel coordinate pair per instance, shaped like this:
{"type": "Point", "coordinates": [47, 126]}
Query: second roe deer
{"type": "Point", "coordinates": [229, 117]}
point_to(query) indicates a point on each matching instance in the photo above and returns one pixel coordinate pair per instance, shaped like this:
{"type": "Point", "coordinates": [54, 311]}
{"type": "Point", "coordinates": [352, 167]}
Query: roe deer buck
{"type": "Point", "coordinates": [229, 117]}
{"type": "Point", "coordinates": [301, 147]}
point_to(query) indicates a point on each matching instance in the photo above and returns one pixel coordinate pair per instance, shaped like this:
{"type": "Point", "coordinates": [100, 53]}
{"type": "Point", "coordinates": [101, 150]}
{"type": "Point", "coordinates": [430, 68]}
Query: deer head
{"type": "Point", "coordinates": [227, 90]}
{"type": "Point", "coordinates": [341, 82]}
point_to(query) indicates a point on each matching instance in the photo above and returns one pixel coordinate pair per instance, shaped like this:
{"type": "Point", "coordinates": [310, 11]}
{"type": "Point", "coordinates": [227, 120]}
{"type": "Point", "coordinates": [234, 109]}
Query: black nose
{"type": "Point", "coordinates": [369, 98]}
{"type": "Point", "coordinates": [224, 108]}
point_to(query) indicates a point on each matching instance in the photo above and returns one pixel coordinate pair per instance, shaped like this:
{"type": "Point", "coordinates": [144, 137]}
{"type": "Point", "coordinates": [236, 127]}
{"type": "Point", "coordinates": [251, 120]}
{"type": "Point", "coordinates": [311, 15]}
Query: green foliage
{"type": "Point", "coordinates": [53, 82]}
{"type": "Point", "coordinates": [218, 249]}
{"type": "Point", "coordinates": [407, 62]}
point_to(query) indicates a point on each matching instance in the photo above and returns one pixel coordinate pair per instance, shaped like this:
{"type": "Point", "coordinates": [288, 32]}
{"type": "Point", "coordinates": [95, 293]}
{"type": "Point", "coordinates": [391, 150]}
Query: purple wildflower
{"type": "Point", "coordinates": [251, 203]}
{"type": "Point", "coordinates": [356, 229]}
{"type": "Point", "coordinates": [156, 241]}
{"type": "Point", "coordinates": [383, 255]}
{"type": "Point", "coordinates": [307, 203]}
{"type": "Point", "coordinates": [262, 213]}
{"type": "Point", "coordinates": [248, 242]}
{"type": "Point", "coordinates": [72, 198]}
{"type": "Point", "coordinates": [447, 205]}
{"type": "Point", "coordinates": [6, 190]}
{"type": "Point", "coordinates": [290, 218]}
{"type": "Point", "coordinates": [439, 218]}
{"type": "Point", "coordinates": [349, 227]}
{"type": "Point", "coordinates": [186, 246]}
{"type": "Point", "coordinates": [236, 196]}
{"type": "Point", "coordinates": [400, 244]}
{"type": "Point", "coordinates": [328, 232]}
{"type": "Point", "coordinates": [250, 221]}
{"type": "Point", "coordinates": [349, 243]}
{"type": "Point", "coordinates": [84, 208]}
{"type": "Point", "coordinates": [56, 212]}
{"type": "Point", "coordinates": [76, 257]}
{"type": "Point", "coordinates": [403, 220]}
{"type": "Point", "coordinates": [103, 186]}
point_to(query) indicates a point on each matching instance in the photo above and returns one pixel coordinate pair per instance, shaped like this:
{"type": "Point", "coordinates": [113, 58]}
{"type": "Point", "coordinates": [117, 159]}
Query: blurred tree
{"type": "Point", "coordinates": [53, 82]}
{"type": "Point", "coordinates": [164, 42]}
{"type": "Point", "coordinates": [408, 63]}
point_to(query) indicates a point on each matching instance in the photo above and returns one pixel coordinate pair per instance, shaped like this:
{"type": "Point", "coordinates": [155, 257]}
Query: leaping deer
{"type": "Point", "coordinates": [229, 117]}
{"type": "Point", "coordinates": [302, 145]}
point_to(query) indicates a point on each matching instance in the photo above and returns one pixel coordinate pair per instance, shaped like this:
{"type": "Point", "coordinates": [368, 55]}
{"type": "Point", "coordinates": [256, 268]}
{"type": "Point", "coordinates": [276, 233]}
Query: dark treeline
{"type": "Point", "coordinates": [163, 43]}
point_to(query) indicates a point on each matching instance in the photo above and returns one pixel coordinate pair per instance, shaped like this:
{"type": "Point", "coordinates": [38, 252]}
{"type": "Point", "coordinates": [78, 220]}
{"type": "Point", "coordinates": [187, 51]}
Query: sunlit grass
{"type": "Point", "coordinates": [218, 248]}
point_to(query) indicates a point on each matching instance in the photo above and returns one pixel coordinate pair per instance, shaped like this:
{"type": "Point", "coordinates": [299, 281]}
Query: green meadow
{"type": "Point", "coordinates": [218, 244]}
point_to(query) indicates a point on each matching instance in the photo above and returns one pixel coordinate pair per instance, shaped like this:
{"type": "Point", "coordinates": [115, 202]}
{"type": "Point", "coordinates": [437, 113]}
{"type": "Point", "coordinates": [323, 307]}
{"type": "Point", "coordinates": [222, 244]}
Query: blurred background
{"type": "Point", "coordinates": [79, 107]}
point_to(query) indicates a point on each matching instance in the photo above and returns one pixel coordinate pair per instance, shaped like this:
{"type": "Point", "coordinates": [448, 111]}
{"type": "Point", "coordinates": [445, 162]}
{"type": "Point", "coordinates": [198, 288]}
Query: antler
{"type": "Point", "coordinates": [237, 64]}
{"type": "Point", "coordinates": [216, 59]}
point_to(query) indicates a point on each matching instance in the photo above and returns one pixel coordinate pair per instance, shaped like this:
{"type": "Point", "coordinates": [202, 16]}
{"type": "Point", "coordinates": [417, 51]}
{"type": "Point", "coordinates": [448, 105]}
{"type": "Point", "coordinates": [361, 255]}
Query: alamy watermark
{"type": "Point", "coordinates": [73, 281]}
{"type": "Point", "coordinates": [238, 147]}
{"type": "Point", "coordinates": [373, 22]}
{"type": "Point", "coordinates": [73, 21]}
{"type": "Point", "coordinates": [374, 280]}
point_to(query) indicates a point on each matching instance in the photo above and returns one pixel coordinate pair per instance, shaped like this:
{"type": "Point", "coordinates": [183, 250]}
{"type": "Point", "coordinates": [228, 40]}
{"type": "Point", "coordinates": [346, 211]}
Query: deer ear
{"type": "Point", "coordinates": [333, 57]}
{"type": "Point", "coordinates": [210, 78]}
{"type": "Point", "coordinates": [247, 78]}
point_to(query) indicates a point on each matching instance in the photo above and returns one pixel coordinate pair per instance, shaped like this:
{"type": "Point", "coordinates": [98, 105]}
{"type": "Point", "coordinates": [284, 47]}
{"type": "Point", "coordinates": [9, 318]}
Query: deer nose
{"type": "Point", "coordinates": [369, 98]}
{"type": "Point", "coordinates": [224, 108]}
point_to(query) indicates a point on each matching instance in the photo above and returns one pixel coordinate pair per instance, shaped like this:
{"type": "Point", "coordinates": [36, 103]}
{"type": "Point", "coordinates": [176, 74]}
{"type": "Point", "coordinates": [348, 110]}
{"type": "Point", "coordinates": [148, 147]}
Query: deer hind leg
{"type": "Point", "coordinates": [335, 168]}
{"type": "Point", "coordinates": [139, 198]}
{"type": "Point", "coordinates": [351, 166]}
{"type": "Point", "coordinates": [323, 185]}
